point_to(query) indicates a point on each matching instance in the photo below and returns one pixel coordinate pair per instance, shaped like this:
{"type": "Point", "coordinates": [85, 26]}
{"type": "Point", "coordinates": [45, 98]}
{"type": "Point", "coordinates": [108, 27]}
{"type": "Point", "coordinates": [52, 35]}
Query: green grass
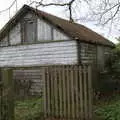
{"type": "Point", "coordinates": [108, 110]}
{"type": "Point", "coordinates": [29, 109]}
{"type": "Point", "coordinates": [32, 109]}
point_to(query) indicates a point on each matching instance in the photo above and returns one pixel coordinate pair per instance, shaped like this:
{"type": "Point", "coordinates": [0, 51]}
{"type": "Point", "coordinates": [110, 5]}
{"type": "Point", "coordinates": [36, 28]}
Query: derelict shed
{"type": "Point", "coordinates": [49, 57]}
{"type": "Point", "coordinates": [35, 38]}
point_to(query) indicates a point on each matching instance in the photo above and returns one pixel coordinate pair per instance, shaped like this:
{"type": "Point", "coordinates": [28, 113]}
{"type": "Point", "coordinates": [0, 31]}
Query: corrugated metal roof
{"type": "Point", "coordinates": [73, 30]}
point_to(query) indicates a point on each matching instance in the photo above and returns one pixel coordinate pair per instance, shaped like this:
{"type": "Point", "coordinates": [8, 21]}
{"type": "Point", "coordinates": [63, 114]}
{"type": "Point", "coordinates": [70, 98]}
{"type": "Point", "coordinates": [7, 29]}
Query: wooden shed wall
{"type": "Point", "coordinates": [64, 52]}
{"type": "Point", "coordinates": [103, 56]}
{"type": "Point", "coordinates": [87, 53]}
{"type": "Point", "coordinates": [44, 30]}
{"type": "Point", "coordinates": [39, 54]}
{"type": "Point", "coordinates": [15, 35]}
{"type": "Point", "coordinates": [49, 32]}
{"type": "Point", "coordinates": [59, 50]}
{"type": "Point", "coordinates": [28, 82]}
{"type": "Point", "coordinates": [94, 54]}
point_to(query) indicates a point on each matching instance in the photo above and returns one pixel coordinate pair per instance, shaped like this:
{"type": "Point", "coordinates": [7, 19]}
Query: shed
{"type": "Point", "coordinates": [36, 38]}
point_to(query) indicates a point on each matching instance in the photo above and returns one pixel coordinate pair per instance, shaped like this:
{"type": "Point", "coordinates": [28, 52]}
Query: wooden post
{"type": "Point", "coordinates": [8, 91]}
{"type": "Point", "coordinates": [0, 100]}
{"type": "Point", "coordinates": [0, 96]}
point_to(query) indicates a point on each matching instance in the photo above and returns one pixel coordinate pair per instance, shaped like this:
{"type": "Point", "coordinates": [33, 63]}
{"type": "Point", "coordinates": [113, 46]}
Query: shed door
{"type": "Point", "coordinates": [30, 30]}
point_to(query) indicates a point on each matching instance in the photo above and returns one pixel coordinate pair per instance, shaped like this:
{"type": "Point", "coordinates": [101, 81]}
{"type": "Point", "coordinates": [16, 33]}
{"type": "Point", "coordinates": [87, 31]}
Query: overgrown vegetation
{"type": "Point", "coordinates": [29, 109]}
{"type": "Point", "coordinates": [32, 109]}
{"type": "Point", "coordinates": [110, 78]}
{"type": "Point", "coordinates": [108, 110]}
{"type": "Point", "coordinates": [114, 64]}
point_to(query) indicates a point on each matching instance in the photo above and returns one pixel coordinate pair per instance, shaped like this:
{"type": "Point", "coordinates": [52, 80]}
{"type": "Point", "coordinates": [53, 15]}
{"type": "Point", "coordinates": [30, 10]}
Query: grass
{"type": "Point", "coordinates": [29, 109]}
{"type": "Point", "coordinates": [108, 110]}
{"type": "Point", "coordinates": [32, 109]}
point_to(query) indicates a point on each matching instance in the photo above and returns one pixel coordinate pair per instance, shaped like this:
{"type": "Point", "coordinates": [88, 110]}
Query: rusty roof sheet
{"type": "Point", "coordinates": [73, 30]}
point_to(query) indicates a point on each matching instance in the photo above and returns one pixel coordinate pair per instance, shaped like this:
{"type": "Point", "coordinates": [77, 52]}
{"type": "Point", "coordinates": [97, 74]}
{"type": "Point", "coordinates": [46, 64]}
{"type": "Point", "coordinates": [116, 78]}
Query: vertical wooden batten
{"type": "Point", "coordinates": [79, 51]}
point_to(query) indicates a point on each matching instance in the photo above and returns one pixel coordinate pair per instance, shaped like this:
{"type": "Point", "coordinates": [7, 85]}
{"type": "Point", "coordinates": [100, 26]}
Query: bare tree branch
{"type": "Point", "coordinates": [68, 4]}
{"type": "Point", "coordinates": [105, 9]}
{"type": "Point", "coordinates": [109, 19]}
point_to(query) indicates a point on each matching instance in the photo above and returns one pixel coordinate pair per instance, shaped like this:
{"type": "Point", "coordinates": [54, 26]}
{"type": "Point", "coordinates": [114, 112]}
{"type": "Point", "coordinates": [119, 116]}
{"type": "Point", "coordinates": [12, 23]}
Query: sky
{"type": "Point", "coordinates": [4, 17]}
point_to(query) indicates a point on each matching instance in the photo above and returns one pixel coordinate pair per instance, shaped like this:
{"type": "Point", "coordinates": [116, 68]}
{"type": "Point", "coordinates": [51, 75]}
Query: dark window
{"type": "Point", "coordinates": [29, 30]}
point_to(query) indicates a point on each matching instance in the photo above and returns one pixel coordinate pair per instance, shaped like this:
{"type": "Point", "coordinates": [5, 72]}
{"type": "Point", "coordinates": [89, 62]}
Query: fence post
{"type": "Point", "coordinates": [8, 88]}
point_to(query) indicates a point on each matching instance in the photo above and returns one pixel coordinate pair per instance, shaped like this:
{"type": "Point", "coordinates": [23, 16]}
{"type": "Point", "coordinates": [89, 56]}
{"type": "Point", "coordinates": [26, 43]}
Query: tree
{"type": "Point", "coordinates": [71, 6]}
{"type": "Point", "coordinates": [102, 11]}
{"type": "Point", "coordinates": [107, 10]}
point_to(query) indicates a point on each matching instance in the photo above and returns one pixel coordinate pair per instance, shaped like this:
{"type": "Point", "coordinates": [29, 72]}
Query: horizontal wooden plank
{"type": "Point", "coordinates": [53, 53]}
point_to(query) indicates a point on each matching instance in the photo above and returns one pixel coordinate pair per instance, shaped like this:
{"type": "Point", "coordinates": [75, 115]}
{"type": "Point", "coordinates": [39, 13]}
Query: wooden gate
{"type": "Point", "coordinates": [6, 95]}
{"type": "Point", "coordinates": [68, 92]}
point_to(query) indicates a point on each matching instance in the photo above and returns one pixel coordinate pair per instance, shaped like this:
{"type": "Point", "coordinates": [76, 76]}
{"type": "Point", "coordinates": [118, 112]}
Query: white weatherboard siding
{"type": "Point", "coordinates": [39, 54]}
{"type": "Point", "coordinates": [44, 31]}
{"type": "Point", "coordinates": [48, 32]}
{"type": "Point", "coordinates": [57, 35]}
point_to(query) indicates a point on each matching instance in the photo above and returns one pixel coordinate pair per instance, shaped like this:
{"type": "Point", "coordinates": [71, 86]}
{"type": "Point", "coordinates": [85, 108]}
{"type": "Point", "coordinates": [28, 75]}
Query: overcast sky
{"type": "Point", "coordinates": [4, 17]}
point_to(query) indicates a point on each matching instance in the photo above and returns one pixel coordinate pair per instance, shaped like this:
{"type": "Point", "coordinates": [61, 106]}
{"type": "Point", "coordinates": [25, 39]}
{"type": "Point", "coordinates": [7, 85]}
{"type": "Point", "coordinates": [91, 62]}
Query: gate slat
{"type": "Point", "coordinates": [48, 91]}
{"type": "Point", "coordinates": [52, 90]}
{"type": "Point", "coordinates": [45, 93]}
{"type": "Point", "coordinates": [77, 92]}
{"type": "Point", "coordinates": [90, 91]}
{"type": "Point", "coordinates": [72, 94]}
{"type": "Point", "coordinates": [60, 92]}
{"type": "Point", "coordinates": [64, 90]}
{"type": "Point", "coordinates": [56, 92]}
{"type": "Point", "coordinates": [81, 93]}
{"type": "Point", "coordinates": [68, 92]}
{"type": "Point", "coordinates": [85, 94]}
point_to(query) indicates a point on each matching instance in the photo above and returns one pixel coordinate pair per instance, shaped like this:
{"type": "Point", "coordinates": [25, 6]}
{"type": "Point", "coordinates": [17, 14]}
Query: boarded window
{"type": "Point", "coordinates": [29, 30]}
